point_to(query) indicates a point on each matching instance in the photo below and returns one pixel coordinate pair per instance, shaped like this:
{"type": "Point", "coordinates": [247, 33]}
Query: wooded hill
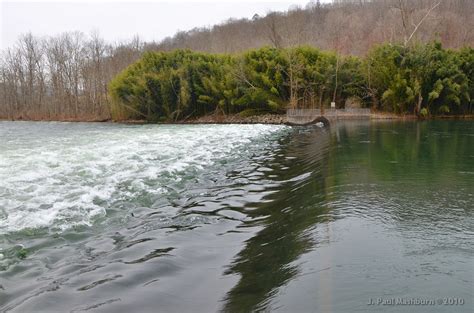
{"type": "Point", "coordinates": [346, 26]}
{"type": "Point", "coordinates": [67, 76]}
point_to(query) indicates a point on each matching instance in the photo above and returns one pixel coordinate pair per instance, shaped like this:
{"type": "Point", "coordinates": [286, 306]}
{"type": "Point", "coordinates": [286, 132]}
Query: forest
{"type": "Point", "coordinates": [170, 86]}
{"type": "Point", "coordinates": [375, 51]}
{"type": "Point", "coordinates": [61, 78]}
{"type": "Point", "coordinates": [350, 27]}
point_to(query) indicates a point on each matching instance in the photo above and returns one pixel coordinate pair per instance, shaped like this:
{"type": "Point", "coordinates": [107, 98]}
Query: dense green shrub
{"type": "Point", "coordinates": [407, 80]}
{"type": "Point", "coordinates": [180, 84]}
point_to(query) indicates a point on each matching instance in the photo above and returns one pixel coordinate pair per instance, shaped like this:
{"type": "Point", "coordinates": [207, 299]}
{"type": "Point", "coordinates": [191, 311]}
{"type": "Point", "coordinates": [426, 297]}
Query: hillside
{"type": "Point", "coordinates": [350, 27]}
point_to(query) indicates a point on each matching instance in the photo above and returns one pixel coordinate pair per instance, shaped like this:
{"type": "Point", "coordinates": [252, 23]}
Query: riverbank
{"type": "Point", "coordinates": [272, 119]}
{"type": "Point", "coordinates": [392, 116]}
{"type": "Point", "coordinates": [66, 120]}
{"type": "Point", "coordinates": [282, 118]}
{"type": "Point", "coordinates": [238, 119]}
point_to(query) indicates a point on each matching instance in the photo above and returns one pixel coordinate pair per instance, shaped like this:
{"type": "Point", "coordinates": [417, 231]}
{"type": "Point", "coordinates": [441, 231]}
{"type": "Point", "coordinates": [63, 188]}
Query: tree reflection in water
{"type": "Point", "coordinates": [290, 214]}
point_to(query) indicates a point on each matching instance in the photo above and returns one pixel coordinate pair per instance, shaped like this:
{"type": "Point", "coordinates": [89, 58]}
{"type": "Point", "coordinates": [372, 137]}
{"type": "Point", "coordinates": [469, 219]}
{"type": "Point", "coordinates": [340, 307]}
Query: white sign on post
{"type": "Point", "coordinates": [333, 105]}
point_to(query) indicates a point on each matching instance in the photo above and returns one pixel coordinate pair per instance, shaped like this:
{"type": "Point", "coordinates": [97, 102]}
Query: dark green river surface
{"type": "Point", "coordinates": [362, 217]}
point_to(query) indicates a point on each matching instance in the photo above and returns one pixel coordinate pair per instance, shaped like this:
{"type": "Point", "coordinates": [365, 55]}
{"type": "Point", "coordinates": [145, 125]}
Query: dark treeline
{"type": "Point", "coordinates": [422, 79]}
{"type": "Point", "coordinates": [181, 84]}
{"type": "Point", "coordinates": [67, 76]}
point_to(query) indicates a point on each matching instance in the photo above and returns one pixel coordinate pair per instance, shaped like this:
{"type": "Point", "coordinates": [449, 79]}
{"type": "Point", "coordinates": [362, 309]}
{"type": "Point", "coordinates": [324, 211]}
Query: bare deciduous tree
{"type": "Point", "coordinates": [64, 77]}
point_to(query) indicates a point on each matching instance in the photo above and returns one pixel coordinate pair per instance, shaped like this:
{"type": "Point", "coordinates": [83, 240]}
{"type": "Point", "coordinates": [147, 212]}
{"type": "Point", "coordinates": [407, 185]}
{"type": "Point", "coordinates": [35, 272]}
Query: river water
{"type": "Point", "coordinates": [360, 217]}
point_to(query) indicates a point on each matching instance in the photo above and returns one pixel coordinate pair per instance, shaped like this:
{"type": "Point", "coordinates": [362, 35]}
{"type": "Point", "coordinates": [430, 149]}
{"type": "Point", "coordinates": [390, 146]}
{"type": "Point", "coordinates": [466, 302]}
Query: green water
{"type": "Point", "coordinates": [237, 218]}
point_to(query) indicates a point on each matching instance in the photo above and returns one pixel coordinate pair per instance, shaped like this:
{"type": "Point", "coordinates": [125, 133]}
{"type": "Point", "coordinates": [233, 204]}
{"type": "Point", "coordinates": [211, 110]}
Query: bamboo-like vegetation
{"type": "Point", "coordinates": [170, 86]}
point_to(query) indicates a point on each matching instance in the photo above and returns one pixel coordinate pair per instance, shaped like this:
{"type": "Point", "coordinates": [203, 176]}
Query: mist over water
{"type": "Point", "coordinates": [237, 218]}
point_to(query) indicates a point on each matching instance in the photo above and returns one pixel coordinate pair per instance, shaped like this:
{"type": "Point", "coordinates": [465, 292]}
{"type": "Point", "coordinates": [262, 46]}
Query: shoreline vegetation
{"type": "Point", "coordinates": [186, 87]}
{"type": "Point", "coordinates": [423, 80]}
{"type": "Point", "coordinates": [404, 58]}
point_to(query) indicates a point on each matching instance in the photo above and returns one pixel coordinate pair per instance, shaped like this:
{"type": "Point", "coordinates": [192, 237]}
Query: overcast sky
{"type": "Point", "coordinates": [121, 20]}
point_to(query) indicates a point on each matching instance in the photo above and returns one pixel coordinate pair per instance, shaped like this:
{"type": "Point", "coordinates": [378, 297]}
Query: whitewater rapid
{"type": "Point", "coordinates": [55, 176]}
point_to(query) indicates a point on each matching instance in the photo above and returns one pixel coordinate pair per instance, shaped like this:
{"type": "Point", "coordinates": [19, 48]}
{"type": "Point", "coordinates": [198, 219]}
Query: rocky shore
{"type": "Point", "coordinates": [238, 119]}
{"type": "Point", "coordinates": [254, 119]}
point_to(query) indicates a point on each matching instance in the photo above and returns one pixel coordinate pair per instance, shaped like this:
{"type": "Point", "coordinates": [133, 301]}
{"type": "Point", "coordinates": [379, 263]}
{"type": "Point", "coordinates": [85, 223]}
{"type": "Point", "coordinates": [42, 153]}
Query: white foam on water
{"type": "Point", "coordinates": [66, 175]}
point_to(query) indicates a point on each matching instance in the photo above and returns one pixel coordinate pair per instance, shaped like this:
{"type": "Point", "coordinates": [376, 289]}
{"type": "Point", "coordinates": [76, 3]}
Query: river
{"type": "Point", "coordinates": [359, 217]}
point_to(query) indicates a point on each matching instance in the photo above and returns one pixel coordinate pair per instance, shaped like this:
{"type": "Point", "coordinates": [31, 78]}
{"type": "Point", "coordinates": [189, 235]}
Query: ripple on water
{"type": "Point", "coordinates": [76, 178]}
{"type": "Point", "coordinates": [249, 223]}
